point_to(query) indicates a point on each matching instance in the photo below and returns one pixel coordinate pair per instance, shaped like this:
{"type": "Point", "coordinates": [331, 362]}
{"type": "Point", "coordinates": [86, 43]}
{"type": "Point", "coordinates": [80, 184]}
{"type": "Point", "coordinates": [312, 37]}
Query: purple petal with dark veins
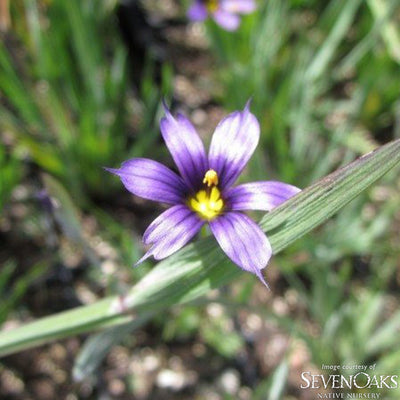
{"type": "Point", "coordinates": [239, 6]}
{"type": "Point", "coordinates": [186, 148]}
{"type": "Point", "coordinates": [151, 180]}
{"type": "Point", "coordinates": [197, 11]}
{"type": "Point", "coordinates": [171, 231]}
{"type": "Point", "coordinates": [264, 195]}
{"type": "Point", "coordinates": [232, 145]}
{"type": "Point", "coordinates": [226, 20]}
{"type": "Point", "coordinates": [243, 242]}
{"type": "Point", "coordinates": [162, 224]}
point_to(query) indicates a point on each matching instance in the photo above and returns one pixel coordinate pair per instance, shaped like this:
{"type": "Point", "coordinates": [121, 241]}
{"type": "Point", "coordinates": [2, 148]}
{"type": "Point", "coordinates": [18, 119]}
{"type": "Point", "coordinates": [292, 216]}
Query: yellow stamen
{"type": "Point", "coordinates": [212, 5]}
{"type": "Point", "coordinates": [211, 178]}
{"type": "Point", "coordinates": [207, 204]}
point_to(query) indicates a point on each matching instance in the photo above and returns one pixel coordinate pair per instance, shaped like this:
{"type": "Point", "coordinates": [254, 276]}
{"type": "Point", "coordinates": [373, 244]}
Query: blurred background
{"type": "Point", "coordinates": [81, 84]}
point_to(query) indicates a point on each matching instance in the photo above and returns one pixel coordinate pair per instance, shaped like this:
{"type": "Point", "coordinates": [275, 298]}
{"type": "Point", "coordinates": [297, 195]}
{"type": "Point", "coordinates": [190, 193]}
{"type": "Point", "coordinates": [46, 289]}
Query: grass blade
{"type": "Point", "coordinates": [340, 29]}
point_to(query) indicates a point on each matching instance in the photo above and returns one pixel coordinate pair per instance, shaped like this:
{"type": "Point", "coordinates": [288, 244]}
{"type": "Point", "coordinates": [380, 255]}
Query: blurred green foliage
{"type": "Point", "coordinates": [320, 81]}
{"type": "Point", "coordinates": [12, 292]}
{"type": "Point", "coordinates": [65, 87]}
{"type": "Point", "coordinates": [65, 92]}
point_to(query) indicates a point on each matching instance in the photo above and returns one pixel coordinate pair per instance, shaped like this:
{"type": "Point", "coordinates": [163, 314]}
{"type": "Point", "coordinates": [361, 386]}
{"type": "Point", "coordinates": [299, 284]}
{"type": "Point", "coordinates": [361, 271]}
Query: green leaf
{"type": "Point", "coordinates": [67, 216]}
{"type": "Point", "coordinates": [340, 29]}
{"type": "Point", "coordinates": [98, 346]}
{"type": "Point", "coordinates": [278, 381]}
{"type": "Point", "coordinates": [18, 289]}
{"type": "Point", "coordinates": [390, 32]}
{"type": "Point", "coordinates": [385, 336]}
{"type": "Point", "coordinates": [202, 266]}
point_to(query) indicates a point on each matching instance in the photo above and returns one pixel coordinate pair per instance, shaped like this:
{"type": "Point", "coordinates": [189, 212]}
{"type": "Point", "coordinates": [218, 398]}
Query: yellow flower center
{"type": "Point", "coordinates": [208, 203]}
{"type": "Point", "coordinates": [212, 5]}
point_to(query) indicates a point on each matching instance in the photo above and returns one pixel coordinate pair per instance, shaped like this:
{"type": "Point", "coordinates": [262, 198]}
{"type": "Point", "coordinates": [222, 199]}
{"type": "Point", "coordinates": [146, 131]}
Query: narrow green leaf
{"type": "Point", "coordinates": [390, 32]}
{"type": "Point", "coordinates": [386, 336]}
{"type": "Point", "coordinates": [18, 289]}
{"type": "Point", "coordinates": [278, 380]}
{"type": "Point", "coordinates": [370, 310]}
{"type": "Point", "coordinates": [16, 91]}
{"type": "Point", "coordinates": [340, 29]}
{"type": "Point", "coordinates": [6, 272]}
{"type": "Point", "coordinates": [67, 216]}
{"type": "Point", "coordinates": [202, 266]}
{"type": "Point", "coordinates": [67, 323]}
{"type": "Point", "coordinates": [98, 346]}
{"type": "Point", "coordinates": [87, 50]}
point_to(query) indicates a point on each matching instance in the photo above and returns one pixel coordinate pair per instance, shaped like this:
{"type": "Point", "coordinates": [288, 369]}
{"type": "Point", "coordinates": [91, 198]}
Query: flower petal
{"type": "Point", "coordinates": [264, 195]}
{"type": "Point", "coordinates": [162, 224]}
{"type": "Point", "coordinates": [170, 231]}
{"type": "Point", "coordinates": [239, 6]}
{"type": "Point", "coordinates": [186, 148]}
{"type": "Point", "coordinates": [232, 145]}
{"type": "Point", "coordinates": [197, 11]}
{"type": "Point", "coordinates": [151, 180]}
{"type": "Point", "coordinates": [243, 242]}
{"type": "Point", "coordinates": [226, 20]}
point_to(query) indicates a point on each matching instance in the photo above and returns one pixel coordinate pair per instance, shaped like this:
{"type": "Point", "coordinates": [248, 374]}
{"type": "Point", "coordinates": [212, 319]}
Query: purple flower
{"type": "Point", "coordinates": [203, 192]}
{"type": "Point", "coordinates": [224, 12]}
